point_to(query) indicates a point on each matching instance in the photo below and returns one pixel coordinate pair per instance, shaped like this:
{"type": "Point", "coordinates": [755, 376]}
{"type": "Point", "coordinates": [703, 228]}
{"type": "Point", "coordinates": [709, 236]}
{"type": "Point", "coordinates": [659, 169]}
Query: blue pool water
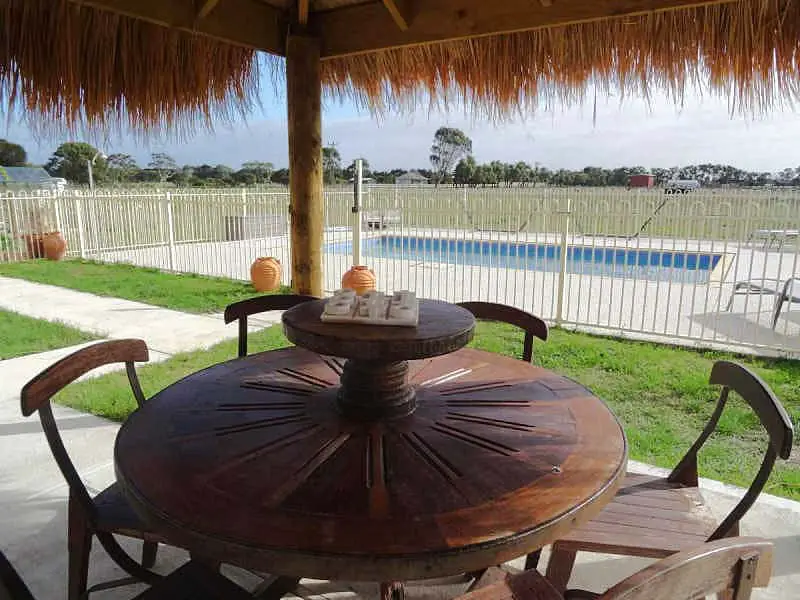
{"type": "Point", "coordinates": [652, 265]}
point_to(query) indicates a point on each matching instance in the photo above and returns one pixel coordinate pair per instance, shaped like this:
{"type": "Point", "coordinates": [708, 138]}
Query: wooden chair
{"type": "Point", "coordinates": [531, 324]}
{"type": "Point", "coordinates": [730, 567]}
{"type": "Point", "coordinates": [245, 308]}
{"type": "Point", "coordinates": [656, 517]}
{"type": "Point", "coordinates": [108, 512]}
{"type": "Point", "coordinates": [192, 581]}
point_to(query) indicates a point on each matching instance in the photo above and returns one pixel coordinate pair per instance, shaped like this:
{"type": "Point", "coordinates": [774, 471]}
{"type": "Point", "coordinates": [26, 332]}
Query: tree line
{"type": "Point", "coordinates": [451, 158]}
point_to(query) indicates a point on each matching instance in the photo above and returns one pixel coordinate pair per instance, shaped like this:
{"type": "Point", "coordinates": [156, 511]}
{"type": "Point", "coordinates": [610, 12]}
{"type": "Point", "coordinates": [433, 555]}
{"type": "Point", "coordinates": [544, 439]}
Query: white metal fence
{"type": "Point", "coordinates": [683, 268]}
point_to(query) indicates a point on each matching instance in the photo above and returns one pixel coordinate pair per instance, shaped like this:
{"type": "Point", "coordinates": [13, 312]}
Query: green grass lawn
{"type": "Point", "coordinates": [189, 293]}
{"type": "Point", "coordinates": [661, 394]}
{"type": "Point", "coordinates": [21, 335]}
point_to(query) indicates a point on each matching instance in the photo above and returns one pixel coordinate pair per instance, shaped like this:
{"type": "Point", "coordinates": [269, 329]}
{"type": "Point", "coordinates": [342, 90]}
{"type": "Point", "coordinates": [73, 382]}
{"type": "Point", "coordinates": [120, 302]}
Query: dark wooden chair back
{"type": "Point", "coordinates": [11, 585]}
{"type": "Point", "coordinates": [38, 391]}
{"type": "Point", "coordinates": [531, 324]}
{"type": "Point", "coordinates": [245, 308]}
{"type": "Point", "coordinates": [733, 376]}
{"type": "Point", "coordinates": [735, 564]}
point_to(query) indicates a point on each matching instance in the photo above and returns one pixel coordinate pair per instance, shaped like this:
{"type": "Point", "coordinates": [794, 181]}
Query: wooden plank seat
{"type": "Point", "coordinates": [656, 517]}
{"type": "Point", "coordinates": [649, 517]}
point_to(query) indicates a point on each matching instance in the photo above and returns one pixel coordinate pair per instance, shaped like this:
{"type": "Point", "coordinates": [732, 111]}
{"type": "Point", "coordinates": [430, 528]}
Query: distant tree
{"type": "Point", "coordinates": [281, 176]}
{"type": "Point", "coordinates": [12, 155]}
{"type": "Point", "coordinates": [449, 146]}
{"type": "Point", "coordinates": [542, 175]}
{"type": "Point", "coordinates": [255, 172]}
{"type": "Point", "coordinates": [331, 164]}
{"type": "Point", "coordinates": [163, 164]}
{"type": "Point", "coordinates": [203, 173]}
{"type": "Point", "coordinates": [481, 175]}
{"type": "Point", "coordinates": [146, 176]}
{"type": "Point", "coordinates": [245, 177]}
{"type": "Point", "coordinates": [464, 171]}
{"type": "Point", "coordinates": [223, 174]}
{"type": "Point", "coordinates": [384, 176]}
{"type": "Point", "coordinates": [523, 173]}
{"type": "Point", "coordinates": [121, 167]}
{"type": "Point", "coordinates": [69, 161]}
{"type": "Point", "coordinates": [183, 177]}
{"type": "Point", "coordinates": [350, 172]}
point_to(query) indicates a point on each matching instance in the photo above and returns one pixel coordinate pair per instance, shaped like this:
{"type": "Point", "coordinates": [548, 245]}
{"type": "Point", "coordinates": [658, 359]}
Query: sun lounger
{"type": "Point", "coordinates": [774, 236]}
{"type": "Point", "coordinates": [782, 290]}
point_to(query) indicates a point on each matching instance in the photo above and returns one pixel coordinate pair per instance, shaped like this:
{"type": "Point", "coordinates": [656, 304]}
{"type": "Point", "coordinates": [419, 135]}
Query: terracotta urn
{"type": "Point", "coordinates": [359, 278]}
{"type": "Point", "coordinates": [34, 245]}
{"type": "Point", "coordinates": [265, 273]}
{"type": "Point", "coordinates": [54, 245]}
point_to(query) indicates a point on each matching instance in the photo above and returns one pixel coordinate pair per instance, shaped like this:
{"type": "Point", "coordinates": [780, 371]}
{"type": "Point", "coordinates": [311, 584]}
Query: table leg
{"type": "Point", "coordinates": [375, 390]}
{"type": "Point", "coordinates": [392, 590]}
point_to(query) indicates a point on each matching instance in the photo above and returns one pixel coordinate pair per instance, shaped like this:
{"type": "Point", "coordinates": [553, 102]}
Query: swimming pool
{"type": "Point", "coordinates": [652, 265]}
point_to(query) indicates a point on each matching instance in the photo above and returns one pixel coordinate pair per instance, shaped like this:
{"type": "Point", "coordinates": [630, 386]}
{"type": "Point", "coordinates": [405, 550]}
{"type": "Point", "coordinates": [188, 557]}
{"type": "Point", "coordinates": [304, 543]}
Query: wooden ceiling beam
{"type": "Point", "coordinates": [248, 23]}
{"type": "Point", "coordinates": [205, 9]}
{"type": "Point", "coordinates": [444, 20]}
{"type": "Point", "coordinates": [400, 10]}
{"type": "Point", "coordinates": [302, 11]}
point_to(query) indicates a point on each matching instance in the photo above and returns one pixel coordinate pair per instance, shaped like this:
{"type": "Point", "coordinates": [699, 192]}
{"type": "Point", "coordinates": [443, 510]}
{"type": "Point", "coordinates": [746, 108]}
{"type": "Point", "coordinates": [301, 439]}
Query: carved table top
{"type": "Point", "coordinates": [442, 328]}
{"type": "Point", "coordinates": [249, 462]}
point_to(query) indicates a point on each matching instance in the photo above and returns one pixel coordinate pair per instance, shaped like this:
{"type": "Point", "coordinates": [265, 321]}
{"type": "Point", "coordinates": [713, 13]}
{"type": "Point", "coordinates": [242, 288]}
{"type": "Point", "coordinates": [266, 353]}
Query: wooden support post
{"type": "Point", "coordinates": [304, 99]}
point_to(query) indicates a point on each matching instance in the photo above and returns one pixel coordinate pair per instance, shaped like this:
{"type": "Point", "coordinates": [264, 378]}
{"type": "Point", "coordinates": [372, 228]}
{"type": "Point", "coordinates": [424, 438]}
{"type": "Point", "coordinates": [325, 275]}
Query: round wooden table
{"type": "Point", "coordinates": [257, 462]}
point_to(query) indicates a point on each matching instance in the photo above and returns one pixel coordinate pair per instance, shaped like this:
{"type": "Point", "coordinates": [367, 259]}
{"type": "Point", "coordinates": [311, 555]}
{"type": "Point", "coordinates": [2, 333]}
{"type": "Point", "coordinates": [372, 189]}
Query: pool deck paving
{"type": "Point", "coordinates": [686, 313]}
{"type": "Point", "coordinates": [33, 493]}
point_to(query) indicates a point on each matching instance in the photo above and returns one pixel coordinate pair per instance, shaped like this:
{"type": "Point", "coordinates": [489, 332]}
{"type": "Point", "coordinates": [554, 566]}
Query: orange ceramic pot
{"type": "Point", "coordinates": [54, 245]}
{"type": "Point", "coordinates": [359, 278]}
{"type": "Point", "coordinates": [265, 273]}
{"type": "Point", "coordinates": [34, 244]}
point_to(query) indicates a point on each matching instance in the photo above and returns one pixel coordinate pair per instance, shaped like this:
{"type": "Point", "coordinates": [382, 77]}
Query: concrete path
{"type": "Point", "coordinates": [165, 331]}
{"type": "Point", "coordinates": [33, 493]}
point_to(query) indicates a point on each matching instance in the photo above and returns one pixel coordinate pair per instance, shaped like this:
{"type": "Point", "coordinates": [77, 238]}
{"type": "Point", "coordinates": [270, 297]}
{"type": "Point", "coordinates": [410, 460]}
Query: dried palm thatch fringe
{"type": "Point", "coordinates": [74, 66]}
{"type": "Point", "coordinates": [746, 51]}
{"type": "Point", "coordinates": [80, 66]}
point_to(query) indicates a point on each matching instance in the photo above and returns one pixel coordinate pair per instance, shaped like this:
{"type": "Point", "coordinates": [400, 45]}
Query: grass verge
{"type": "Point", "coordinates": [189, 293]}
{"type": "Point", "coordinates": [20, 335]}
{"type": "Point", "coordinates": [660, 393]}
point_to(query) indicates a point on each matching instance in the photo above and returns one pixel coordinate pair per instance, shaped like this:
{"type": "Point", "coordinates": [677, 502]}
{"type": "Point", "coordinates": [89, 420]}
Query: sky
{"type": "Point", "coordinates": [627, 132]}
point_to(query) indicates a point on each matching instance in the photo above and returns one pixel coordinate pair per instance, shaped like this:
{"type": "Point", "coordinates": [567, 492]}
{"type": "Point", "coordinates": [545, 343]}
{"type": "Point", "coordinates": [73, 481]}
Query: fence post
{"type": "Point", "coordinates": [57, 208]}
{"type": "Point", "coordinates": [356, 213]}
{"type": "Point", "coordinates": [562, 271]}
{"type": "Point", "coordinates": [170, 230]}
{"type": "Point", "coordinates": [79, 219]}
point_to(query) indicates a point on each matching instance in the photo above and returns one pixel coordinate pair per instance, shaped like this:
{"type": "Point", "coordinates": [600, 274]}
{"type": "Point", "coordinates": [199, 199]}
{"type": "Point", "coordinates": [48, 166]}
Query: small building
{"type": "Point", "coordinates": [642, 181]}
{"type": "Point", "coordinates": [411, 178]}
{"type": "Point", "coordinates": [29, 177]}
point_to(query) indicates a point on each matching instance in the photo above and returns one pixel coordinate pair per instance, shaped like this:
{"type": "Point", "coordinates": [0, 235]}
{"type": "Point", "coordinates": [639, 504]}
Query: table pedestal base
{"type": "Point", "coordinates": [374, 390]}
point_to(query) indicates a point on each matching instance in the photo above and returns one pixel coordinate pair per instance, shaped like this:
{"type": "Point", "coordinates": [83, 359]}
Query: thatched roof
{"type": "Point", "coordinates": [747, 51]}
{"type": "Point", "coordinates": [69, 63]}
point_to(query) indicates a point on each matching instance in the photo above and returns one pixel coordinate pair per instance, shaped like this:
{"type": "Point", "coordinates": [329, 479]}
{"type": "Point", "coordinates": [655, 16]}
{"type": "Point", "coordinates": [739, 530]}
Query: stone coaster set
{"type": "Point", "coordinates": [373, 308]}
